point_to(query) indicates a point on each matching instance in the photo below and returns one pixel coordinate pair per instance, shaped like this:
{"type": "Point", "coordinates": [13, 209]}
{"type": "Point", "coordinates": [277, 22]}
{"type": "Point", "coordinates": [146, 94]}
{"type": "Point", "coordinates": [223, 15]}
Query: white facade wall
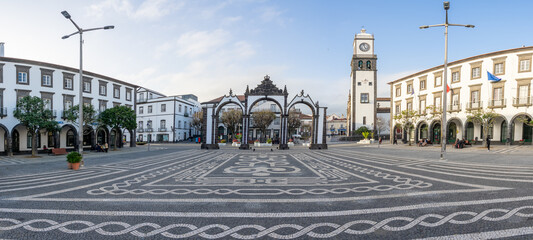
{"type": "Point", "coordinates": [9, 87]}
{"type": "Point", "coordinates": [513, 81]}
{"type": "Point", "coordinates": [177, 119]}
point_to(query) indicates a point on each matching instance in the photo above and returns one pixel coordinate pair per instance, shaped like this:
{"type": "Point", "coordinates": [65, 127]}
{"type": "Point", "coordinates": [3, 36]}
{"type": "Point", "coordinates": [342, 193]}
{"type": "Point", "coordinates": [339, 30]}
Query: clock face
{"type": "Point", "coordinates": [364, 47]}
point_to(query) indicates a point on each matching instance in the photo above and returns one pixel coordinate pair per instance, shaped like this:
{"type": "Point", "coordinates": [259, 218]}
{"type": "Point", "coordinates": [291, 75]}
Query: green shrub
{"type": "Point", "coordinates": [223, 141]}
{"type": "Point", "coordinates": [269, 140]}
{"type": "Point", "coordinates": [365, 134]}
{"type": "Point", "coordinates": [74, 157]}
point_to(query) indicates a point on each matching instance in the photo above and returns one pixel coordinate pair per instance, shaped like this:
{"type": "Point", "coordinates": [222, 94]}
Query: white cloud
{"type": "Point", "coordinates": [196, 43]}
{"type": "Point", "coordinates": [272, 14]}
{"type": "Point", "coordinates": [147, 10]}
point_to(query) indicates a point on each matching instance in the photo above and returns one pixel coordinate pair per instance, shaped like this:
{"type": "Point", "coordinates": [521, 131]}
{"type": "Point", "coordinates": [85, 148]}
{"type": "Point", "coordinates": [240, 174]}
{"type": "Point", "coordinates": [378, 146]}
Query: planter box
{"type": "Point", "coordinates": [221, 144]}
{"type": "Point", "coordinates": [290, 144]}
{"type": "Point", "coordinates": [306, 144]}
{"type": "Point", "coordinates": [364, 141]}
{"type": "Point", "coordinates": [263, 144]}
{"type": "Point", "coordinates": [236, 144]}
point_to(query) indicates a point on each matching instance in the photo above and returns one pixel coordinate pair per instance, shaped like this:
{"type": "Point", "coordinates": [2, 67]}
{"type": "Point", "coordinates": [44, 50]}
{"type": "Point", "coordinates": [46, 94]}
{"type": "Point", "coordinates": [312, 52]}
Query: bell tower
{"type": "Point", "coordinates": [363, 89]}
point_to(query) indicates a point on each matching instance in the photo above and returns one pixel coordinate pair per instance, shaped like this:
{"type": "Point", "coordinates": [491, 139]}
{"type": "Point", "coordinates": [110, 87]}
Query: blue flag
{"type": "Point", "coordinates": [492, 77]}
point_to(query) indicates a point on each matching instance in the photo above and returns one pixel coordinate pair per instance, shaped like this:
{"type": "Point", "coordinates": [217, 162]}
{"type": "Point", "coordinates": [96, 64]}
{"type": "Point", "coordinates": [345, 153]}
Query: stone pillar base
{"type": "Point", "coordinates": [244, 146]}
{"type": "Point", "coordinates": [283, 147]}
{"type": "Point", "coordinates": [209, 146]}
{"type": "Point", "coordinates": [318, 146]}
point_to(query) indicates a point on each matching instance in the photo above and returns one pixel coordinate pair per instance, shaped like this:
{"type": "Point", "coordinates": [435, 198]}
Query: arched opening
{"type": "Point", "coordinates": [229, 123]}
{"type": "Point", "coordinates": [4, 133]}
{"type": "Point", "coordinates": [88, 136]}
{"type": "Point", "coordinates": [470, 131]}
{"type": "Point", "coordinates": [521, 132]}
{"type": "Point", "coordinates": [422, 131]}
{"type": "Point", "coordinates": [503, 132]}
{"type": "Point", "coordinates": [436, 133]}
{"type": "Point", "coordinates": [115, 138]}
{"type": "Point", "coordinates": [71, 138]}
{"type": "Point", "coordinates": [454, 130]}
{"type": "Point", "coordinates": [397, 133]}
{"type": "Point", "coordinates": [271, 132]}
{"type": "Point", "coordinates": [101, 136]}
{"type": "Point", "coordinates": [304, 132]}
{"type": "Point", "coordinates": [16, 141]}
{"type": "Point", "coordinates": [68, 137]}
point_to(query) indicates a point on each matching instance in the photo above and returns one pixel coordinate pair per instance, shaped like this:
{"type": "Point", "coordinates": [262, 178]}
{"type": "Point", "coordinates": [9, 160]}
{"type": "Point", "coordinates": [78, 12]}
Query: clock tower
{"type": "Point", "coordinates": [363, 89]}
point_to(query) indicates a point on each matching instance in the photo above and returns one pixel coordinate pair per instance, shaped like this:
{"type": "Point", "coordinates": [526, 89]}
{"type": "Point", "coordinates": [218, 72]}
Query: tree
{"type": "Point", "coordinates": [484, 118]}
{"type": "Point", "coordinates": [263, 119]}
{"type": "Point", "coordinates": [89, 115]}
{"type": "Point", "coordinates": [231, 119]}
{"type": "Point", "coordinates": [119, 117]}
{"type": "Point", "coordinates": [407, 118]}
{"type": "Point", "coordinates": [32, 113]}
{"type": "Point", "coordinates": [294, 121]}
{"type": "Point", "coordinates": [198, 120]}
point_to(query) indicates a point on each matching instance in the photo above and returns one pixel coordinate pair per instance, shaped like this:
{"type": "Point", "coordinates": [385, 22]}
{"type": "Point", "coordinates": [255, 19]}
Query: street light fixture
{"type": "Point", "coordinates": [81, 31]}
{"type": "Point", "coordinates": [445, 84]}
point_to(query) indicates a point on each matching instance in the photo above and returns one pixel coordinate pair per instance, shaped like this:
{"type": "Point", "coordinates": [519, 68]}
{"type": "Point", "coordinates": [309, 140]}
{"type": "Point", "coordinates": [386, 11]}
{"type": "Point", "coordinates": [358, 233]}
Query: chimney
{"type": "Point", "coordinates": [1, 49]}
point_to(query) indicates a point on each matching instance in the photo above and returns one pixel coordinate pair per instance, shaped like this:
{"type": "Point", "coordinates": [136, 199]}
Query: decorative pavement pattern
{"type": "Point", "coordinates": [341, 193]}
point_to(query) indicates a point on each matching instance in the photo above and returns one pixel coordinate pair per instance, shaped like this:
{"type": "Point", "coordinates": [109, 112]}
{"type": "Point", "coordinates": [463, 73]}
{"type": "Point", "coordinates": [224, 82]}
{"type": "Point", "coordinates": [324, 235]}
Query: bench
{"type": "Point", "coordinates": [59, 151]}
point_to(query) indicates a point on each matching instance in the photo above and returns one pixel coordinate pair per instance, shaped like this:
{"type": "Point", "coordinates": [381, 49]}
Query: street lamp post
{"type": "Point", "coordinates": [445, 84]}
{"type": "Point", "coordinates": [81, 31]}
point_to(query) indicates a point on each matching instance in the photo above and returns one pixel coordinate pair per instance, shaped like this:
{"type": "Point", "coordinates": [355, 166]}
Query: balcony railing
{"type": "Point", "coordinates": [186, 114]}
{"type": "Point", "coordinates": [474, 105]}
{"type": "Point", "coordinates": [54, 113]}
{"type": "Point", "coordinates": [140, 130]}
{"type": "Point", "coordinates": [523, 101]}
{"type": "Point", "coordinates": [454, 107]}
{"type": "Point", "coordinates": [142, 100]}
{"type": "Point", "coordinates": [3, 112]}
{"type": "Point", "coordinates": [497, 103]}
{"type": "Point", "coordinates": [164, 129]}
{"type": "Point", "coordinates": [148, 129]}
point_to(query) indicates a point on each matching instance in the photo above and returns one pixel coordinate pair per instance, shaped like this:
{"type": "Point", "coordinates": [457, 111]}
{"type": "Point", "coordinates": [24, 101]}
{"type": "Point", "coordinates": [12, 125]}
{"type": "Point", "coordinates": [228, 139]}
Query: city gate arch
{"type": "Point", "coordinates": [268, 91]}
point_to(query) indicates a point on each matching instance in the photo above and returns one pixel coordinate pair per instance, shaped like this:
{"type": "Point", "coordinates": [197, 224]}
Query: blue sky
{"type": "Point", "coordinates": [207, 47]}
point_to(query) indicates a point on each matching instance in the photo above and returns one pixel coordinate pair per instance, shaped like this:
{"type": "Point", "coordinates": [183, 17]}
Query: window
{"type": "Point", "coordinates": [409, 88]}
{"type": "Point", "coordinates": [163, 124]}
{"type": "Point", "coordinates": [369, 83]}
{"type": "Point", "coordinates": [474, 96]}
{"type": "Point", "coordinates": [149, 109]}
{"type": "Point", "coordinates": [179, 124]}
{"type": "Point", "coordinates": [423, 106]}
{"type": "Point", "coordinates": [179, 108]}
{"type": "Point", "coordinates": [422, 84]}
{"type": "Point", "coordinates": [102, 106]}
{"type": "Point", "coordinates": [47, 80]}
{"type": "Point", "coordinates": [1, 72]}
{"type": "Point", "coordinates": [141, 110]}
{"type": "Point", "coordinates": [70, 138]}
{"type": "Point", "coordinates": [497, 93]}
{"type": "Point", "coordinates": [360, 64]}
{"type": "Point", "coordinates": [22, 93]}
{"type": "Point", "coordinates": [368, 65]}
{"type": "Point", "coordinates": [87, 85]}
{"type": "Point", "coordinates": [67, 81]}
{"type": "Point", "coordinates": [103, 88]}
{"type": "Point", "coordinates": [523, 94]}
{"type": "Point", "coordinates": [397, 109]}
{"type": "Point", "coordinates": [499, 68]}
{"type": "Point", "coordinates": [438, 81]}
{"type": "Point", "coordinates": [409, 106]}
{"type": "Point", "coordinates": [276, 121]}
{"type": "Point", "coordinates": [140, 124]}
{"type": "Point", "coordinates": [163, 107]}
{"type": "Point", "coordinates": [437, 103]}
{"type": "Point", "coordinates": [358, 83]}
{"type": "Point", "coordinates": [476, 72]}
{"type": "Point", "coordinates": [525, 65]}
{"type": "Point", "coordinates": [455, 77]}
{"type": "Point", "coordinates": [128, 94]}
{"type": "Point", "coordinates": [47, 99]}
{"type": "Point", "coordinates": [398, 91]}
{"type": "Point", "coordinates": [364, 120]}
{"type": "Point", "coordinates": [116, 91]}
{"type": "Point", "coordinates": [51, 139]}
{"type": "Point", "coordinates": [23, 74]}
{"type": "Point", "coordinates": [455, 100]}
{"type": "Point", "coordinates": [67, 101]}
{"type": "Point", "coordinates": [30, 140]}
{"type": "Point", "coordinates": [364, 98]}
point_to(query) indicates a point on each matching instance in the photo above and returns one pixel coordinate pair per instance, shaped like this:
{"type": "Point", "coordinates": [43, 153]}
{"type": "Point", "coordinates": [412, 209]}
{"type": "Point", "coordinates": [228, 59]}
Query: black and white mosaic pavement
{"type": "Point", "coordinates": [342, 193]}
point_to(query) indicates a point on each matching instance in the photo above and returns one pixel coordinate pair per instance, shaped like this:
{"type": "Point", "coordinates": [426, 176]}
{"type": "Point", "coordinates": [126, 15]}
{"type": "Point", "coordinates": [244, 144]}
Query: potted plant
{"type": "Point", "coordinates": [222, 142]}
{"type": "Point", "coordinates": [74, 160]}
{"type": "Point", "coordinates": [256, 142]}
{"type": "Point", "coordinates": [521, 142]}
{"type": "Point", "coordinates": [291, 142]}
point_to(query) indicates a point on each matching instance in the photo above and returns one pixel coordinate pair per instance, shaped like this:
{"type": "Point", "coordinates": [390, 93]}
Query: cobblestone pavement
{"type": "Point", "coordinates": [346, 192]}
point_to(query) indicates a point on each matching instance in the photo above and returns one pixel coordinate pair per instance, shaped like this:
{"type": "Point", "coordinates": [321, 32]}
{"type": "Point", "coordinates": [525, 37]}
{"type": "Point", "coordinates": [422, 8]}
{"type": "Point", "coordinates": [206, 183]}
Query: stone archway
{"type": "Point", "coordinates": [266, 90]}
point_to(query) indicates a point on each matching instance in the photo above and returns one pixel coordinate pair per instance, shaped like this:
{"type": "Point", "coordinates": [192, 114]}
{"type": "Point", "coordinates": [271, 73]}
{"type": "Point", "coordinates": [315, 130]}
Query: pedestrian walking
{"type": "Point", "coordinates": [488, 143]}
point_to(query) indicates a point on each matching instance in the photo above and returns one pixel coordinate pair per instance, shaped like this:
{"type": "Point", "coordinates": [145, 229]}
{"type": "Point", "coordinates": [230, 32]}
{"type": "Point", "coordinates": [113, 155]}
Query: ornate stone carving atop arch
{"type": "Point", "coordinates": [267, 87]}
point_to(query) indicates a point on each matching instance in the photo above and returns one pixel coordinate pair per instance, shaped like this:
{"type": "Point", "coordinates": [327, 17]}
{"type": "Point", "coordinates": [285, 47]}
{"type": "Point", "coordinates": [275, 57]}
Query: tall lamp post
{"type": "Point", "coordinates": [445, 84]}
{"type": "Point", "coordinates": [81, 31]}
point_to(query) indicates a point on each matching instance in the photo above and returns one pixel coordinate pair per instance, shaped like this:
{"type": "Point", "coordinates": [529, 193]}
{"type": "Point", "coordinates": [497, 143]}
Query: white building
{"type": "Point", "coordinates": [59, 87]}
{"type": "Point", "coordinates": [470, 90]}
{"type": "Point", "coordinates": [163, 118]}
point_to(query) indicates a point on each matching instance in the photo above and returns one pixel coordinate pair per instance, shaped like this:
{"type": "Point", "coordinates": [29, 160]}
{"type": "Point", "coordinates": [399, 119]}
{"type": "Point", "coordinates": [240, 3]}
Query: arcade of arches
{"type": "Point", "coordinates": [266, 90]}
{"type": "Point", "coordinates": [512, 131]}
{"type": "Point", "coordinates": [19, 140]}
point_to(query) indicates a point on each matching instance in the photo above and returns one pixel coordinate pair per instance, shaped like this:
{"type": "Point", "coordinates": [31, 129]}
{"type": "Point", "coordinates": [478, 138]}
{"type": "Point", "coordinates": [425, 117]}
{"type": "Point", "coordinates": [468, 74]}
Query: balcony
{"type": "Point", "coordinates": [148, 129]}
{"type": "Point", "coordinates": [474, 105]}
{"type": "Point", "coordinates": [3, 112]}
{"type": "Point", "coordinates": [500, 103]}
{"type": "Point", "coordinates": [142, 100]}
{"type": "Point", "coordinates": [454, 107]}
{"type": "Point", "coordinates": [522, 102]}
{"type": "Point", "coordinates": [63, 115]}
{"type": "Point", "coordinates": [140, 130]}
{"type": "Point", "coordinates": [163, 129]}
{"type": "Point", "coordinates": [186, 114]}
